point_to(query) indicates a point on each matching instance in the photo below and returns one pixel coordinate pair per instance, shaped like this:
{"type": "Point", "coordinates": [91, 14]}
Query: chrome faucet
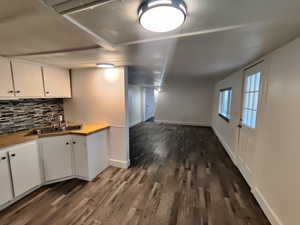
{"type": "Point", "coordinates": [60, 120]}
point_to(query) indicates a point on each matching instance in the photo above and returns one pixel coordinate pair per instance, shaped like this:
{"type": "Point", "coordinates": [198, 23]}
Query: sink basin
{"type": "Point", "coordinates": [49, 130]}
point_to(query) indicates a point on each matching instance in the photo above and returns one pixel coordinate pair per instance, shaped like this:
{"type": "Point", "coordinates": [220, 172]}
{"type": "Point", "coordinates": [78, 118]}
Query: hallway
{"type": "Point", "coordinates": [196, 180]}
{"type": "Point", "coordinates": [179, 175]}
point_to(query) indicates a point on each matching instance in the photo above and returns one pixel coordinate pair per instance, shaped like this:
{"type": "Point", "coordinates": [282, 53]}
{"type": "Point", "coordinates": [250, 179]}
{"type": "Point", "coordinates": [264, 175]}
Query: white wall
{"type": "Point", "coordinates": [100, 96]}
{"type": "Point", "coordinates": [228, 129]}
{"type": "Point", "coordinates": [276, 181]}
{"type": "Point", "coordinates": [185, 101]}
{"type": "Point", "coordinates": [135, 104]}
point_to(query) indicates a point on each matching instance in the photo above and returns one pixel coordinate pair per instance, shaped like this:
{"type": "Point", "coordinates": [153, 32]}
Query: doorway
{"type": "Point", "coordinates": [251, 95]}
{"type": "Point", "coordinates": [149, 104]}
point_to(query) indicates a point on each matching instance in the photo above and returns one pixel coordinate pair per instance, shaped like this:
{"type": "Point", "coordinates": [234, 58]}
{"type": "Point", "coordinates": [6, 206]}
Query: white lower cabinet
{"type": "Point", "coordinates": [62, 157]}
{"type": "Point", "coordinates": [90, 154]}
{"type": "Point", "coordinates": [19, 170]}
{"type": "Point", "coordinates": [74, 155]}
{"type": "Point", "coordinates": [80, 156]}
{"type": "Point", "coordinates": [57, 157]}
{"type": "Point", "coordinates": [5, 181]}
{"type": "Point", "coordinates": [25, 167]}
{"type": "Point", "coordinates": [97, 150]}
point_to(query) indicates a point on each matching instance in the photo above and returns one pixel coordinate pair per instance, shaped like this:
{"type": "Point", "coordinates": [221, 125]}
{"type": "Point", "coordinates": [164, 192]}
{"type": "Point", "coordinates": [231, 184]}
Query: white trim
{"type": "Point", "coordinates": [119, 163]}
{"type": "Point", "coordinates": [135, 123]}
{"type": "Point", "coordinates": [272, 216]}
{"type": "Point", "coordinates": [14, 200]}
{"type": "Point", "coordinates": [118, 126]}
{"type": "Point", "coordinates": [267, 209]}
{"type": "Point", "coordinates": [201, 123]}
{"type": "Point", "coordinates": [225, 145]}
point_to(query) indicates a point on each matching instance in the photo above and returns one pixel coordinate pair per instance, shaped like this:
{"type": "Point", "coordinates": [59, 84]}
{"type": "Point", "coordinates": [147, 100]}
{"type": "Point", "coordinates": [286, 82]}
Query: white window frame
{"type": "Point", "coordinates": [224, 110]}
{"type": "Point", "coordinates": [251, 97]}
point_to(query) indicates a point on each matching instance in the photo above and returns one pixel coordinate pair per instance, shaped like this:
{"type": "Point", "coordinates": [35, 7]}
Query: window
{"type": "Point", "coordinates": [225, 103]}
{"type": "Point", "coordinates": [251, 96]}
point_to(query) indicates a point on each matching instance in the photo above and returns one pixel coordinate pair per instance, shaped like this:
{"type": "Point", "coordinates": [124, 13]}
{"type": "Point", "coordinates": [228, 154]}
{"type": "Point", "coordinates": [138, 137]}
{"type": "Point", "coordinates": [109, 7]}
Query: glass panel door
{"type": "Point", "coordinates": [251, 99]}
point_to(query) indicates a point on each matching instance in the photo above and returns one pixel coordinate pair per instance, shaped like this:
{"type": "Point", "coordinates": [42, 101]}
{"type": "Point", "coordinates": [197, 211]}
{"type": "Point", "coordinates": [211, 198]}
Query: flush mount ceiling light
{"type": "Point", "coordinates": [162, 15]}
{"type": "Point", "coordinates": [105, 65]}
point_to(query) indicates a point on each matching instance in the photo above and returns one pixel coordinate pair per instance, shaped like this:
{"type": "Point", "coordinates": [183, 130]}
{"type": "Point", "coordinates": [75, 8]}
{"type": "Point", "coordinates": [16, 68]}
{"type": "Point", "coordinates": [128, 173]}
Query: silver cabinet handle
{"type": "Point", "coordinates": [11, 91]}
{"type": "Point", "coordinates": [17, 91]}
{"type": "Point", "coordinates": [47, 92]}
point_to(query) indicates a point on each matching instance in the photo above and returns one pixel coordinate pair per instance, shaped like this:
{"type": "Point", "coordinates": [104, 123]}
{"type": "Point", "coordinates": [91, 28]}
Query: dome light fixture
{"type": "Point", "coordinates": [162, 15]}
{"type": "Point", "coordinates": [105, 65]}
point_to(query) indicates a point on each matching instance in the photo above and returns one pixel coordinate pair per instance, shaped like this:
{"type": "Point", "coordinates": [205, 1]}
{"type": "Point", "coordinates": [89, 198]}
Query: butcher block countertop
{"type": "Point", "coordinates": [7, 140]}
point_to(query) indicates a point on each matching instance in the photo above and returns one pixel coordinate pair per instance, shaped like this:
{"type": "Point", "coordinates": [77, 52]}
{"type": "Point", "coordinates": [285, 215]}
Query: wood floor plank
{"type": "Point", "coordinates": [180, 175]}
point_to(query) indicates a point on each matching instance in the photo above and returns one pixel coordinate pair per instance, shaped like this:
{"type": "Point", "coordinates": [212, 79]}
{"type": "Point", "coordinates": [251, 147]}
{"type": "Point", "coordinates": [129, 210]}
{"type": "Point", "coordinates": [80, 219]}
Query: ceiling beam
{"type": "Point", "coordinates": [108, 46]}
{"type": "Point", "coordinates": [183, 35]}
{"type": "Point", "coordinates": [95, 37]}
{"type": "Point", "coordinates": [52, 53]}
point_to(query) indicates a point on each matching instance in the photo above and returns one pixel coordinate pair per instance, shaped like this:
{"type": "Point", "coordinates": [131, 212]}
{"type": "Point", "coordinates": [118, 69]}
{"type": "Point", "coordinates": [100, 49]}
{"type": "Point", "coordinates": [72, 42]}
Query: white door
{"type": "Point", "coordinates": [57, 157]}
{"type": "Point", "coordinates": [250, 109]}
{"type": "Point", "coordinates": [80, 156]}
{"type": "Point", "coordinates": [28, 79]}
{"type": "Point", "coordinates": [57, 82]}
{"type": "Point", "coordinates": [6, 84]}
{"type": "Point", "coordinates": [5, 182]}
{"type": "Point", "coordinates": [25, 167]}
{"type": "Point", "coordinates": [149, 103]}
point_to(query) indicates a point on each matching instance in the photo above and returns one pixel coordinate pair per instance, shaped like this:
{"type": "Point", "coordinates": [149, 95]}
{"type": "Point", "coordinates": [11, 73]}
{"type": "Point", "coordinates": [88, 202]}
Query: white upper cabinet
{"type": "Point", "coordinates": [23, 79]}
{"type": "Point", "coordinates": [6, 84]}
{"type": "Point", "coordinates": [28, 79]}
{"type": "Point", "coordinates": [57, 82]}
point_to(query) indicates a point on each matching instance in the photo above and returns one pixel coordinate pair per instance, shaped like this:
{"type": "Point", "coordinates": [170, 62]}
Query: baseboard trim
{"type": "Point", "coordinates": [200, 124]}
{"type": "Point", "coordinates": [274, 219]}
{"type": "Point", "coordinates": [225, 145]}
{"type": "Point", "coordinates": [9, 203]}
{"type": "Point", "coordinates": [119, 163]}
{"type": "Point", "coordinates": [267, 209]}
{"type": "Point", "coordinates": [135, 124]}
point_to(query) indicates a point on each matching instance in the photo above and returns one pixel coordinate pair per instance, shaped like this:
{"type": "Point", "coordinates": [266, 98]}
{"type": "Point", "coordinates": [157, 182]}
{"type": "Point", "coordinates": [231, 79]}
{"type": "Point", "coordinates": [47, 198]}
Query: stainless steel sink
{"type": "Point", "coordinates": [49, 130]}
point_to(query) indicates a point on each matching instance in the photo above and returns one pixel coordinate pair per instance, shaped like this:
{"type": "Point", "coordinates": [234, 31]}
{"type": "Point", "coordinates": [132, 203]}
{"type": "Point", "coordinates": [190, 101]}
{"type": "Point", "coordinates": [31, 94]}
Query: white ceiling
{"type": "Point", "coordinates": [217, 37]}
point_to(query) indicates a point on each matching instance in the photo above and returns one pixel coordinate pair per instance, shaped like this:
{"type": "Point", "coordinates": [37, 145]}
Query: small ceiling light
{"type": "Point", "coordinates": [105, 65]}
{"type": "Point", "coordinates": [162, 15]}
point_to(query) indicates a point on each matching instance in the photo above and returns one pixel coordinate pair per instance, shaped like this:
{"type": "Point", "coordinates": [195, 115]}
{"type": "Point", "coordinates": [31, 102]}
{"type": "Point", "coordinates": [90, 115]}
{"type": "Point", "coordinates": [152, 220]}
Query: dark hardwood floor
{"type": "Point", "coordinates": [179, 175]}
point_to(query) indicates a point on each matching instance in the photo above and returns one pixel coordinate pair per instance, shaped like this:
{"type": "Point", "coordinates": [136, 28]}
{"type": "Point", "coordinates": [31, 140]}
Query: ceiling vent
{"type": "Point", "coordinates": [71, 6]}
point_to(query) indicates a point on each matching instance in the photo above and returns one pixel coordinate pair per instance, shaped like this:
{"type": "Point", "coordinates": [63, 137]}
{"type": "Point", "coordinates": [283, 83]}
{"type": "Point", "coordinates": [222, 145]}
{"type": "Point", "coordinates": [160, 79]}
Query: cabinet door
{"type": "Point", "coordinates": [57, 82]}
{"type": "Point", "coordinates": [5, 184]}
{"type": "Point", "coordinates": [57, 157]}
{"type": "Point", "coordinates": [80, 156]}
{"type": "Point", "coordinates": [97, 150]}
{"type": "Point", "coordinates": [25, 167]}
{"type": "Point", "coordinates": [28, 79]}
{"type": "Point", "coordinates": [6, 84]}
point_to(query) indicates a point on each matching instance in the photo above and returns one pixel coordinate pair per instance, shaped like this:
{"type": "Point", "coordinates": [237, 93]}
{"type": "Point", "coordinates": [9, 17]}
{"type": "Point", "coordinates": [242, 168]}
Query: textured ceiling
{"type": "Point", "coordinates": [217, 38]}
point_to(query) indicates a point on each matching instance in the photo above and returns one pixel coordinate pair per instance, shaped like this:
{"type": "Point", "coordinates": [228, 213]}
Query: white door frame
{"type": "Point", "coordinates": [244, 158]}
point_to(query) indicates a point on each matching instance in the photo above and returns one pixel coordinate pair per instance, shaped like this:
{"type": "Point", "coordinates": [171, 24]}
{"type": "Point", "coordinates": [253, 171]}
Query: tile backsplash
{"type": "Point", "coordinates": [17, 115]}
